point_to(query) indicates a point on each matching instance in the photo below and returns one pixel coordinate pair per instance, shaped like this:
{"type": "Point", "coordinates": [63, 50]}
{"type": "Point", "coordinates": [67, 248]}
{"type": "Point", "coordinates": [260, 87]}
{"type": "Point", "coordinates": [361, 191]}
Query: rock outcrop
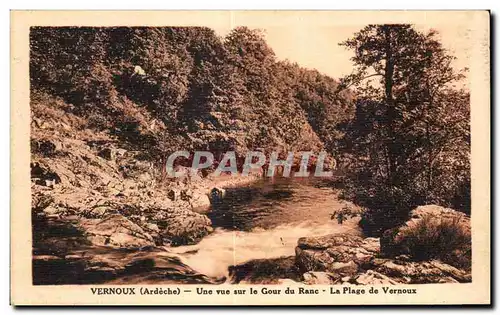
{"type": "Point", "coordinates": [340, 254]}
{"type": "Point", "coordinates": [265, 271]}
{"type": "Point", "coordinates": [115, 195]}
{"type": "Point", "coordinates": [117, 231]}
{"type": "Point", "coordinates": [414, 272]}
{"type": "Point", "coordinates": [179, 227]}
{"type": "Point", "coordinates": [350, 259]}
{"type": "Point", "coordinates": [114, 250]}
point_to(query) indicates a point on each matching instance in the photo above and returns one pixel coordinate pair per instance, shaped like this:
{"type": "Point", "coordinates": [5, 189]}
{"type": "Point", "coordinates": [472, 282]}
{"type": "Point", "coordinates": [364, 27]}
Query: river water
{"type": "Point", "coordinates": [265, 220]}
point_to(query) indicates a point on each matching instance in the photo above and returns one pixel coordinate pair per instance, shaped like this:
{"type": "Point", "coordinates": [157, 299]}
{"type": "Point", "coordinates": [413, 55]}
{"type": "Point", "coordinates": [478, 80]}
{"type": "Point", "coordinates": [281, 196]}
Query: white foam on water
{"type": "Point", "coordinates": [223, 248]}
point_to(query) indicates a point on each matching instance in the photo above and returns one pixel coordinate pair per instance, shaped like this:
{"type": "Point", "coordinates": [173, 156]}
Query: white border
{"type": "Point", "coordinates": [213, 4]}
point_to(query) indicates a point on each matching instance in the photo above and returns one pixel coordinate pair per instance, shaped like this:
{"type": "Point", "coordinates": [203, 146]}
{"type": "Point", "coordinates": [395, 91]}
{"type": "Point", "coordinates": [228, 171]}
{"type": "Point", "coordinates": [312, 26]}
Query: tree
{"type": "Point", "coordinates": [411, 127]}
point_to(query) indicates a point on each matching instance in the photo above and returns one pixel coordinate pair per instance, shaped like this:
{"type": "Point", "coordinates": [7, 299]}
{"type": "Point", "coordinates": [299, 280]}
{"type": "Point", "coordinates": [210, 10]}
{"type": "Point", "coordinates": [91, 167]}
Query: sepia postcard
{"type": "Point", "coordinates": [250, 158]}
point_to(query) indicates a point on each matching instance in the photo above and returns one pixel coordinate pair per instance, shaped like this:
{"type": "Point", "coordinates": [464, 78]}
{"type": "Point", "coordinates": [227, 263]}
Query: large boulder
{"type": "Point", "coordinates": [199, 202]}
{"type": "Point", "coordinates": [437, 211]}
{"type": "Point", "coordinates": [350, 259]}
{"type": "Point", "coordinates": [339, 254]}
{"type": "Point", "coordinates": [371, 277]}
{"type": "Point", "coordinates": [319, 277]}
{"type": "Point", "coordinates": [195, 198]}
{"type": "Point", "coordinates": [116, 231]}
{"type": "Point", "coordinates": [413, 272]}
{"type": "Point", "coordinates": [181, 226]}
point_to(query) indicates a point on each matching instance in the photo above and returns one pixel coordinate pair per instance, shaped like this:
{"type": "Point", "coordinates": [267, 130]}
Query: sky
{"type": "Point", "coordinates": [313, 41]}
{"type": "Point", "coordinates": [319, 47]}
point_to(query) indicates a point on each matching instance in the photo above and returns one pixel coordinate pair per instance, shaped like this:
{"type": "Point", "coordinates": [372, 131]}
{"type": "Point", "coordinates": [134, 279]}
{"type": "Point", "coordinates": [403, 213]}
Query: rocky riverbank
{"type": "Point", "coordinates": [351, 259]}
{"type": "Point", "coordinates": [92, 193]}
{"type": "Point", "coordinates": [65, 255]}
{"type": "Point", "coordinates": [118, 231]}
{"type": "Point", "coordinates": [116, 196]}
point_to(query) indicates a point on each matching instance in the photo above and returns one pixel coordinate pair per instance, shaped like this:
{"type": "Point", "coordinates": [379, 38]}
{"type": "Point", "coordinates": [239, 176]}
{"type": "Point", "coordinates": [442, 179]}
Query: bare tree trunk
{"type": "Point", "coordinates": [390, 112]}
{"type": "Point", "coordinates": [429, 159]}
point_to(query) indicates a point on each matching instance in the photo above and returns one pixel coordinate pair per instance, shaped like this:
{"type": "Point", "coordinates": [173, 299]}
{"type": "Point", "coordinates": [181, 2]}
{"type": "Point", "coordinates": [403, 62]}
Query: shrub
{"type": "Point", "coordinates": [446, 239]}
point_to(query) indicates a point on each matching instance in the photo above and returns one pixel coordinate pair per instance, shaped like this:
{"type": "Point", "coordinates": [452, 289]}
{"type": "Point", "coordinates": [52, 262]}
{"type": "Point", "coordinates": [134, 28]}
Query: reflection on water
{"type": "Point", "coordinates": [274, 202]}
{"type": "Point", "coordinates": [264, 221]}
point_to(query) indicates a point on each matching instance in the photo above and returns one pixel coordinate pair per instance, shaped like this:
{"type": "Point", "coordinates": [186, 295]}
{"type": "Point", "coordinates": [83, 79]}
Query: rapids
{"type": "Point", "coordinates": [265, 220]}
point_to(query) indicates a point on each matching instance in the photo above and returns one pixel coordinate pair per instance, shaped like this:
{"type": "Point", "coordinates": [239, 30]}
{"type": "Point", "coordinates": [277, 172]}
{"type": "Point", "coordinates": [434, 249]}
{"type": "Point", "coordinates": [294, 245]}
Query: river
{"type": "Point", "coordinates": [262, 220]}
{"type": "Point", "coordinates": [265, 220]}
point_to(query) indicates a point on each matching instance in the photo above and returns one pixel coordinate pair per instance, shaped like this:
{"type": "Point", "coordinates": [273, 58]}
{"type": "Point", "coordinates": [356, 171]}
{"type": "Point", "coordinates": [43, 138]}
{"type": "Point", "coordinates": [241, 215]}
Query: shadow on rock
{"type": "Point", "coordinates": [265, 271]}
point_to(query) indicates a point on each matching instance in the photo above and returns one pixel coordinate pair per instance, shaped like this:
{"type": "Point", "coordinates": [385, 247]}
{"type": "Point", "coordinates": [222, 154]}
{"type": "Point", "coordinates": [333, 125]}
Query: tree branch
{"type": "Point", "coordinates": [361, 79]}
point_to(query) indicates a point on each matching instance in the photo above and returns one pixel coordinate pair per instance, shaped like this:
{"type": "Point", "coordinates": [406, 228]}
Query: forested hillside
{"type": "Point", "coordinates": [171, 88]}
